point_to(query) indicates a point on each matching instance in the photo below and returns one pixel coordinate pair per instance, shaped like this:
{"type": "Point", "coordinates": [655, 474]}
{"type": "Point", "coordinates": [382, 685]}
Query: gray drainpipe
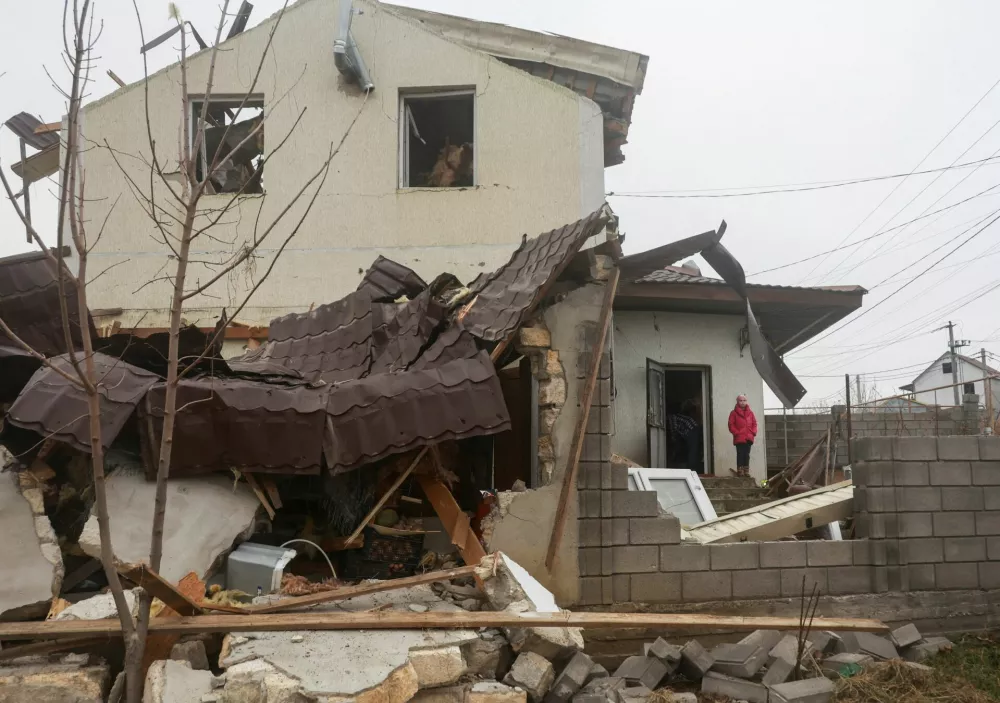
{"type": "Point", "coordinates": [346, 56]}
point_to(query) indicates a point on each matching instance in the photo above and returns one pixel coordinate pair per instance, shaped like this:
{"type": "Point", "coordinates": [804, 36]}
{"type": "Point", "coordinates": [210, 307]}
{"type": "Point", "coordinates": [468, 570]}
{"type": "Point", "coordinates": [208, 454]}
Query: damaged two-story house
{"type": "Point", "coordinates": [467, 134]}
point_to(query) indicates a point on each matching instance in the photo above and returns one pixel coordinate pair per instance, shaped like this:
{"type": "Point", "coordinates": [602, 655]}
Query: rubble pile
{"type": "Point", "coordinates": [760, 668]}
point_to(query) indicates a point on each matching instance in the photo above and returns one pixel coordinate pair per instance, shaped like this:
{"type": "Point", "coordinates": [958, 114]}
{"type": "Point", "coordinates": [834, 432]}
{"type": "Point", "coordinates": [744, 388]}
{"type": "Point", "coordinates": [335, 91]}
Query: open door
{"type": "Point", "coordinates": [656, 421]}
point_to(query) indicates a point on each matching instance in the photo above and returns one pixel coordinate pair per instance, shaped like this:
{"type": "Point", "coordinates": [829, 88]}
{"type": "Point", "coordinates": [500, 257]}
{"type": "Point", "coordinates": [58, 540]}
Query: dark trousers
{"type": "Point", "coordinates": [743, 454]}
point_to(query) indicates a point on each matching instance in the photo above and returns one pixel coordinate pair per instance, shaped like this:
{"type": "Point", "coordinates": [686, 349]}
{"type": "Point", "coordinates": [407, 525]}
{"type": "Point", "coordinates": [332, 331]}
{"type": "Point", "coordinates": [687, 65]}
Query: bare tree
{"type": "Point", "coordinates": [179, 217]}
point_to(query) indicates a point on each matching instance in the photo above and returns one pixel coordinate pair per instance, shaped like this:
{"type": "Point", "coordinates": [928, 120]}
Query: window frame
{"type": "Point", "coordinates": [403, 147]}
{"type": "Point", "coordinates": [643, 477]}
{"type": "Point", "coordinates": [253, 101]}
{"type": "Point", "coordinates": [967, 385]}
{"type": "Point", "coordinates": [946, 367]}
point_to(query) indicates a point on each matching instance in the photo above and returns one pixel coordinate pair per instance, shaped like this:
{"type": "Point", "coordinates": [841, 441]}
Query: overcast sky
{"type": "Point", "coordinates": [738, 95]}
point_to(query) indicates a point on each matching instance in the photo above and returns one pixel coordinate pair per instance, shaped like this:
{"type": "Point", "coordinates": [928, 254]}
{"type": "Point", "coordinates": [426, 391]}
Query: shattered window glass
{"type": "Point", "coordinates": [233, 150]}
{"type": "Point", "coordinates": [437, 134]}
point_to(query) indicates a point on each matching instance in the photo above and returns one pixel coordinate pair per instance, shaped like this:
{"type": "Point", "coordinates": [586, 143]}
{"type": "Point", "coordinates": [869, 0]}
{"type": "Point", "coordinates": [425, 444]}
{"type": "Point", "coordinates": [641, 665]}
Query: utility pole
{"type": "Point", "coordinates": [952, 346]}
{"type": "Point", "coordinates": [847, 396]}
{"type": "Point", "coordinates": [987, 389]}
{"type": "Point", "coordinates": [857, 385]}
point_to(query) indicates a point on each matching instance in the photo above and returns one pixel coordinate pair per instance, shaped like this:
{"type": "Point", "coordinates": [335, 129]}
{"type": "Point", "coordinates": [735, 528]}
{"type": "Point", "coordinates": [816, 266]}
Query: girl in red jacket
{"type": "Point", "coordinates": [743, 427]}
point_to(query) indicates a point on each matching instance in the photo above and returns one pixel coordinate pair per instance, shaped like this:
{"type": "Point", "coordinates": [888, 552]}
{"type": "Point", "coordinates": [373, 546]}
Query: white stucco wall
{"type": "Point", "coordinates": [538, 156]}
{"type": "Point", "coordinates": [934, 378]}
{"type": "Point", "coordinates": [678, 338]}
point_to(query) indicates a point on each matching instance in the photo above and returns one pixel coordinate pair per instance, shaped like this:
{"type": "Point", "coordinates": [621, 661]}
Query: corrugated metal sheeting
{"type": "Point", "coordinates": [388, 368]}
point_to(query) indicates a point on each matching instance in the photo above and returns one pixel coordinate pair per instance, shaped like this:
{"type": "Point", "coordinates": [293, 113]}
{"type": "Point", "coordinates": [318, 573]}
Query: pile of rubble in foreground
{"type": "Point", "coordinates": [760, 668]}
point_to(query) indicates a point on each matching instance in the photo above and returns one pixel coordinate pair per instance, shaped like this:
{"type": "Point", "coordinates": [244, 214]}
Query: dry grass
{"type": "Point", "coordinates": [895, 682]}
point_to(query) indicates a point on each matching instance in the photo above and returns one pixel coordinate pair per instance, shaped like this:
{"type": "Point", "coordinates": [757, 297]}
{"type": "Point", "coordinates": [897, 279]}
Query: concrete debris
{"type": "Point", "coordinates": [927, 649]}
{"type": "Point", "coordinates": [635, 694]}
{"type": "Point", "coordinates": [495, 692]}
{"type": "Point", "coordinates": [441, 666]}
{"type": "Point", "coordinates": [224, 514]}
{"type": "Point", "coordinates": [192, 652]}
{"type": "Point", "coordinates": [825, 642]}
{"type": "Point", "coordinates": [788, 648]}
{"type": "Point", "coordinates": [170, 681]}
{"type": "Point", "coordinates": [746, 657]}
{"type": "Point", "coordinates": [39, 572]}
{"type": "Point", "coordinates": [45, 680]}
{"type": "Point", "coordinates": [533, 673]}
{"type": "Point", "coordinates": [778, 671]}
{"type": "Point", "coordinates": [905, 636]}
{"type": "Point", "coordinates": [737, 689]}
{"type": "Point", "coordinates": [877, 647]}
{"type": "Point", "coordinates": [695, 660]}
{"type": "Point", "coordinates": [600, 690]}
{"type": "Point", "coordinates": [571, 679]}
{"type": "Point", "coordinates": [99, 607]}
{"type": "Point", "coordinates": [642, 671]}
{"type": "Point", "coordinates": [842, 663]}
{"type": "Point", "coordinates": [668, 654]}
{"type": "Point", "coordinates": [804, 691]}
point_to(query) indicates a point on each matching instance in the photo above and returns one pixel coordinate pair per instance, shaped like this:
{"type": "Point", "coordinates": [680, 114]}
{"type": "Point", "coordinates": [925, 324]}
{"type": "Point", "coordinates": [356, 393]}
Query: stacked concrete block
{"type": "Point", "coordinates": [927, 507]}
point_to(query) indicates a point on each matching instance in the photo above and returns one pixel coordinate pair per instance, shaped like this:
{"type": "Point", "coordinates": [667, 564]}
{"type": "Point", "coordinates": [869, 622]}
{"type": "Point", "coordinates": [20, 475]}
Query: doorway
{"type": "Point", "coordinates": [679, 416]}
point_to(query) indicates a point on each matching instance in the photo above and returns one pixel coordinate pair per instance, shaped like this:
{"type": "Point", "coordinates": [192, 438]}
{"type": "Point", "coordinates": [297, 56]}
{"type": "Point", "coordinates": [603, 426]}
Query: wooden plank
{"type": "Point", "coordinates": [260, 494]}
{"type": "Point", "coordinates": [392, 489]}
{"type": "Point", "coordinates": [576, 447]}
{"type": "Point", "coordinates": [404, 620]}
{"type": "Point", "coordinates": [267, 483]}
{"type": "Point", "coordinates": [142, 575]}
{"type": "Point", "coordinates": [89, 567]}
{"type": "Point", "coordinates": [455, 521]}
{"type": "Point", "coordinates": [51, 646]}
{"type": "Point", "coordinates": [47, 128]}
{"type": "Point", "coordinates": [363, 589]}
{"type": "Point", "coordinates": [113, 76]}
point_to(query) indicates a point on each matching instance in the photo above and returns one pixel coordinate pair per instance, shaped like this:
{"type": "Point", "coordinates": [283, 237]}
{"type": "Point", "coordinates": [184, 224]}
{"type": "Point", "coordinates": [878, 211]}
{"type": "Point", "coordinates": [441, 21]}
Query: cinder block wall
{"type": "Point", "coordinates": [928, 518]}
{"type": "Point", "coordinates": [930, 510]}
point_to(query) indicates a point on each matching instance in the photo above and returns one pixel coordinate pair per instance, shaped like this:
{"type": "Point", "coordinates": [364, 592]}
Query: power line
{"type": "Point", "coordinates": [791, 189]}
{"type": "Point", "coordinates": [909, 283]}
{"type": "Point", "coordinates": [880, 233]}
{"type": "Point", "coordinates": [900, 183]}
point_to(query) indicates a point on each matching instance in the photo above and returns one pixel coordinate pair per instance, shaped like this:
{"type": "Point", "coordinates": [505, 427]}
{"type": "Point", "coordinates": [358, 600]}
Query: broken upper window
{"type": "Point", "coordinates": [234, 142]}
{"type": "Point", "coordinates": [946, 367]}
{"type": "Point", "coordinates": [437, 140]}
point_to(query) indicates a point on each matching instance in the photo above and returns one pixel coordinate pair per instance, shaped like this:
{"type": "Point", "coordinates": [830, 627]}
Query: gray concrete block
{"type": "Point", "coordinates": [782, 555]}
{"type": "Point", "coordinates": [669, 654]}
{"type": "Point", "coordinates": [883, 500]}
{"type": "Point", "coordinates": [632, 560]}
{"type": "Point", "coordinates": [590, 503]}
{"type": "Point", "coordinates": [989, 575]}
{"type": "Point", "coordinates": [910, 473]}
{"type": "Point", "coordinates": [804, 691]}
{"type": "Point", "coordinates": [991, 497]}
{"type": "Point", "coordinates": [695, 660]}
{"type": "Point", "coordinates": [954, 524]}
{"type": "Point", "coordinates": [634, 694]}
{"type": "Point", "coordinates": [876, 646]}
{"type": "Point", "coordinates": [961, 498]}
{"type": "Point", "coordinates": [633, 504]}
{"type": "Point", "coordinates": [927, 649]}
{"type": "Point", "coordinates": [922, 551]}
{"type": "Point", "coordinates": [908, 449]}
{"type": "Point", "coordinates": [956, 576]}
{"type": "Point", "coordinates": [589, 476]}
{"type": "Point", "coordinates": [589, 561]}
{"type": "Point", "coordinates": [590, 590]}
{"type": "Point", "coordinates": [737, 689]}
{"type": "Point", "coordinates": [988, 523]}
{"type": "Point", "coordinates": [571, 679]}
{"type": "Point", "coordinates": [986, 473]}
{"type": "Point", "coordinates": [989, 448]}
{"type": "Point", "coordinates": [916, 524]}
{"type": "Point", "coordinates": [873, 449]}
{"type": "Point", "coordinates": [533, 673]}
{"type": "Point", "coordinates": [909, 499]}
{"type": "Point", "coordinates": [656, 588]}
{"type": "Point", "coordinates": [759, 583]}
{"type": "Point", "coordinates": [958, 448]}
{"type": "Point", "coordinates": [642, 671]}
{"type": "Point", "coordinates": [685, 557]}
{"type": "Point", "coordinates": [993, 548]}
{"type": "Point", "coordinates": [738, 555]}
{"type": "Point", "coordinates": [843, 662]}
{"type": "Point", "coordinates": [849, 579]}
{"type": "Point", "coordinates": [829, 553]}
{"type": "Point", "coordinates": [950, 473]}
{"type": "Point", "coordinates": [883, 526]}
{"type": "Point", "coordinates": [613, 478]}
{"type": "Point", "coordinates": [665, 529]}
{"type": "Point", "coordinates": [600, 690]}
{"type": "Point", "coordinates": [614, 532]}
{"type": "Point", "coordinates": [905, 636]}
{"type": "Point", "coordinates": [739, 660]}
{"type": "Point", "coordinates": [825, 642]}
{"type": "Point", "coordinates": [787, 647]}
{"type": "Point", "coordinates": [965, 549]}
{"type": "Point", "coordinates": [791, 582]}
{"type": "Point", "coordinates": [778, 671]}
{"type": "Point", "coordinates": [707, 585]}
{"type": "Point", "coordinates": [621, 588]}
{"type": "Point", "coordinates": [590, 532]}
{"type": "Point", "coordinates": [921, 577]}
{"type": "Point", "coordinates": [607, 561]}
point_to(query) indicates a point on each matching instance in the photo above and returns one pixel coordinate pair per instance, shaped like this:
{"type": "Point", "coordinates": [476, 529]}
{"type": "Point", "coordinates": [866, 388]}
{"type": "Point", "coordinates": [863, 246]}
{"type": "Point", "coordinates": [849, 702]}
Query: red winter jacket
{"type": "Point", "coordinates": [742, 425]}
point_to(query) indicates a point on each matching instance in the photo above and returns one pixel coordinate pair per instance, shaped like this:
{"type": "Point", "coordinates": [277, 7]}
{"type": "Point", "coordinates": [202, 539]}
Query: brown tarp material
{"type": "Point", "coordinates": [506, 297]}
{"type": "Point", "coordinates": [248, 425]}
{"type": "Point", "coordinates": [54, 407]}
{"type": "Point", "coordinates": [385, 414]}
{"type": "Point", "coordinates": [386, 280]}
